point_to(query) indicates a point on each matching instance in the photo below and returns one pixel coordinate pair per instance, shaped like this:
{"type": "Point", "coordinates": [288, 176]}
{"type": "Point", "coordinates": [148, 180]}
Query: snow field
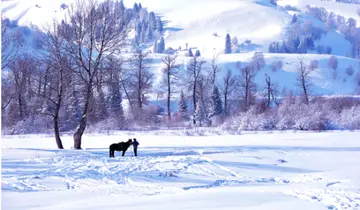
{"type": "Point", "coordinates": [279, 170]}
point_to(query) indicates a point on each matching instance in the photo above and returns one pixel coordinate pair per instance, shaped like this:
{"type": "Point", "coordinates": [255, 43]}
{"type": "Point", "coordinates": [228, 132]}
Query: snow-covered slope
{"type": "Point", "coordinates": [195, 23]}
{"type": "Point", "coordinates": [346, 10]}
{"type": "Point", "coordinates": [262, 171]}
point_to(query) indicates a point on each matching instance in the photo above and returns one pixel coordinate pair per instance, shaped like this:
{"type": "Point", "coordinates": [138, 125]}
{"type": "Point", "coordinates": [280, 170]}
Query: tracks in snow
{"type": "Point", "coordinates": [333, 199]}
{"type": "Point", "coordinates": [160, 172]}
{"type": "Point", "coordinates": [148, 175]}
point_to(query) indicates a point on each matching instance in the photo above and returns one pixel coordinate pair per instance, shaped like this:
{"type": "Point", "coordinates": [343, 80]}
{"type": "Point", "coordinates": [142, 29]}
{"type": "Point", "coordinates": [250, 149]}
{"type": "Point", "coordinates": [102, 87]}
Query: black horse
{"type": "Point", "coordinates": [121, 146]}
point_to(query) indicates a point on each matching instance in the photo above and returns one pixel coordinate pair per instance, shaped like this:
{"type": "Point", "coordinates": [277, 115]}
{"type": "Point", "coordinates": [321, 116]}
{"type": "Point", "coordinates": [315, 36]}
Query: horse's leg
{"type": "Point", "coordinates": [123, 152]}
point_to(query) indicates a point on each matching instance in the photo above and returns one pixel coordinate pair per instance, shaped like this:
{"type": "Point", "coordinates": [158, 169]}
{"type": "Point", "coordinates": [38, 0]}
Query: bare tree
{"type": "Point", "coordinates": [271, 91]}
{"type": "Point", "coordinates": [119, 76]}
{"type": "Point", "coordinates": [194, 72]}
{"type": "Point", "coordinates": [258, 61]}
{"type": "Point", "coordinates": [303, 78]}
{"type": "Point", "coordinates": [247, 84]}
{"type": "Point", "coordinates": [313, 64]}
{"type": "Point", "coordinates": [170, 72]}
{"type": "Point", "coordinates": [276, 65]}
{"type": "Point", "coordinates": [215, 68]}
{"type": "Point", "coordinates": [56, 77]}
{"type": "Point", "coordinates": [333, 63]}
{"type": "Point", "coordinates": [92, 32]}
{"type": "Point", "coordinates": [115, 82]}
{"type": "Point", "coordinates": [20, 70]}
{"type": "Point", "coordinates": [203, 88]}
{"type": "Point", "coordinates": [140, 79]}
{"type": "Point", "coordinates": [229, 85]}
{"type": "Point", "coordinates": [7, 91]}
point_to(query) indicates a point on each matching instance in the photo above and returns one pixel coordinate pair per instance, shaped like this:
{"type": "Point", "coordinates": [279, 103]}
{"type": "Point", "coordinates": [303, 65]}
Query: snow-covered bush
{"type": "Point", "coordinates": [291, 8]}
{"type": "Point", "coordinates": [350, 70]}
{"type": "Point", "coordinates": [33, 124]}
{"type": "Point", "coordinates": [277, 65]}
{"type": "Point", "coordinates": [350, 118]}
{"type": "Point", "coordinates": [293, 114]}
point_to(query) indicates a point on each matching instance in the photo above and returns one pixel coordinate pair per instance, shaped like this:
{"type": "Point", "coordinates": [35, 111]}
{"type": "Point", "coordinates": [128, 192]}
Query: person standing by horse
{"type": "Point", "coordinates": [135, 144]}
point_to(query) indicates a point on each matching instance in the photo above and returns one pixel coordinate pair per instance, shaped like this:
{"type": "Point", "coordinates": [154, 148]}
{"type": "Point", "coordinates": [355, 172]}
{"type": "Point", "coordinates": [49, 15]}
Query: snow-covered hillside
{"type": "Point", "coordinates": [203, 24]}
{"type": "Point", "coordinates": [251, 171]}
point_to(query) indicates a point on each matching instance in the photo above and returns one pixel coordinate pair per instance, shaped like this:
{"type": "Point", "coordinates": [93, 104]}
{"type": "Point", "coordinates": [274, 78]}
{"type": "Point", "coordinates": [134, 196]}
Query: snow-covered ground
{"type": "Point", "coordinates": [196, 22]}
{"type": "Point", "coordinates": [251, 171]}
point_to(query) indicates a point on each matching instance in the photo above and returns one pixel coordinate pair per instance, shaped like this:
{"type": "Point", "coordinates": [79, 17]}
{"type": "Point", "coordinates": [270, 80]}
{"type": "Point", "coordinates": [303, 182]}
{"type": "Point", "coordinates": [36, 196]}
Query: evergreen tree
{"type": "Point", "coordinates": [328, 50]}
{"type": "Point", "coordinates": [309, 43]}
{"type": "Point", "coordinates": [144, 27]}
{"type": "Point", "coordinates": [138, 29]}
{"type": "Point", "coordinates": [190, 53]}
{"type": "Point", "coordinates": [296, 43]}
{"type": "Point", "coordinates": [159, 25]}
{"type": "Point", "coordinates": [330, 22]}
{"type": "Point", "coordinates": [227, 44]}
{"type": "Point", "coordinates": [217, 103]}
{"type": "Point", "coordinates": [294, 19]}
{"type": "Point", "coordinates": [183, 107]}
{"type": "Point", "coordinates": [100, 106]}
{"type": "Point", "coordinates": [302, 48]}
{"type": "Point", "coordinates": [161, 45]}
{"type": "Point", "coordinates": [149, 33]}
{"type": "Point", "coordinates": [136, 7]}
{"type": "Point", "coordinates": [122, 7]}
{"type": "Point", "coordinates": [155, 47]}
{"type": "Point", "coordinates": [116, 104]}
{"type": "Point", "coordinates": [274, 47]}
{"type": "Point", "coordinates": [197, 53]}
{"type": "Point", "coordinates": [200, 116]}
{"type": "Point", "coordinates": [283, 47]}
{"type": "Point", "coordinates": [152, 21]}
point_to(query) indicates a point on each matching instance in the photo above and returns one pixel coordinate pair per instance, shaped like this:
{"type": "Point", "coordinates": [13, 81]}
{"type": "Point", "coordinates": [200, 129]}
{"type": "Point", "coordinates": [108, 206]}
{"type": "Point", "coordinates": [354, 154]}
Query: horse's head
{"type": "Point", "coordinates": [129, 141]}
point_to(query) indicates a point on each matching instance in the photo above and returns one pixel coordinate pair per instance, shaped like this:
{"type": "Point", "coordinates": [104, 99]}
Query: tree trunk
{"type": "Point", "coordinates": [194, 95]}
{"type": "Point", "coordinates": [57, 111]}
{"type": "Point", "coordinates": [305, 92]}
{"type": "Point", "coordinates": [79, 132]}
{"type": "Point", "coordinates": [139, 90]}
{"type": "Point", "coordinates": [268, 82]}
{"type": "Point", "coordinates": [57, 133]}
{"type": "Point", "coordinates": [126, 93]}
{"type": "Point", "coordinates": [168, 96]}
{"type": "Point", "coordinates": [226, 101]}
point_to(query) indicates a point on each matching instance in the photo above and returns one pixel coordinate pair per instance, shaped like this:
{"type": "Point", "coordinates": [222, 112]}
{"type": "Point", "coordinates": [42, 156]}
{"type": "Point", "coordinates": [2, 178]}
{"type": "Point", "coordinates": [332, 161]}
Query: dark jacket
{"type": "Point", "coordinates": [135, 144]}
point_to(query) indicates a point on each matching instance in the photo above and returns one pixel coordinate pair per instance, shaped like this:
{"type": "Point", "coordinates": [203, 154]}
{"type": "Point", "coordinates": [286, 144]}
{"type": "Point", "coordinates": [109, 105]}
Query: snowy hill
{"type": "Point", "coordinates": [203, 24]}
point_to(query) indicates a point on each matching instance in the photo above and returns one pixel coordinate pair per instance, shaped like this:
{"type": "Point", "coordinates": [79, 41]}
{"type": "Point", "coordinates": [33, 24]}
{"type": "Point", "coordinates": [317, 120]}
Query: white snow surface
{"type": "Point", "coordinates": [280, 170]}
{"type": "Point", "coordinates": [196, 22]}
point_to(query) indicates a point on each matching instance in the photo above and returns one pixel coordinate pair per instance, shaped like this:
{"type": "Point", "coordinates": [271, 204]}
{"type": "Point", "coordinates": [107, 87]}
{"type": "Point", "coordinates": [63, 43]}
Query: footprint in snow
{"type": "Point", "coordinates": [332, 183]}
{"type": "Point", "coordinates": [281, 161]}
